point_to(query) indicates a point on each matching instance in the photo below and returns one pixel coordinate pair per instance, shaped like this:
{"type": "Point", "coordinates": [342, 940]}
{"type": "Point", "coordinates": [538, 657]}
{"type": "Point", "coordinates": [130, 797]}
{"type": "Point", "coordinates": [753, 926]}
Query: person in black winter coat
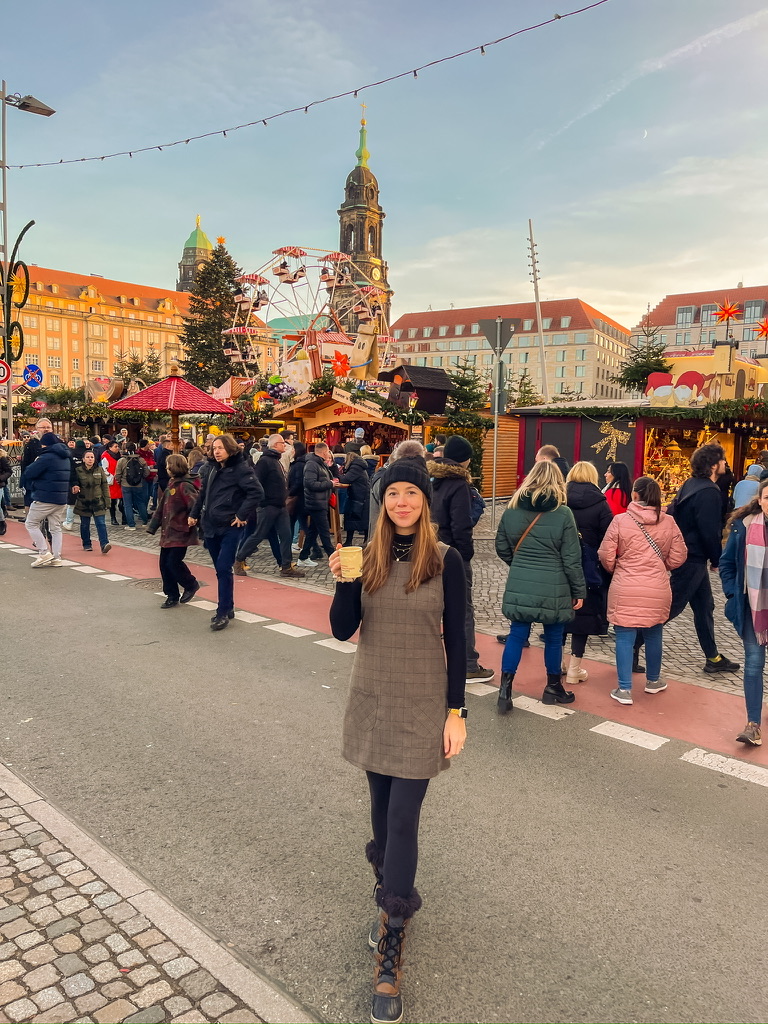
{"type": "Point", "coordinates": [272, 513]}
{"type": "Point", "coordinates": [230, 494]}
{"type": "Point", "coordinates": [697, 509]}
{"type": "Point", "coordinates": [296, 485]}
{"type": "Point", "coordinates": [48, 481]}
{"type": "Point", "coordinates": [318, 485]}
{"type": "Point", "coordinates": [593, 517]}
{"type": "Point", "coordinates": [452, 511]}
{"type": "Point", "coordinates": [358, 503]}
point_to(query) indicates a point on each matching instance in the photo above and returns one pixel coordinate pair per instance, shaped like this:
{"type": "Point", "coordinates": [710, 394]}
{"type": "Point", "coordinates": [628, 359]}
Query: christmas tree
{"type": "Point", "coordinates": [130, 366]}
{"type": "Point", "coordinates": [153, 367]}
{"type": "Point", "coordinates": [470, 391]}
{"type": "Point", "coordinates": [521, 391]}
{"type": "Point", "coordinates": [211, 311]}
{"type": "Point", "coordinates": [645, 358]}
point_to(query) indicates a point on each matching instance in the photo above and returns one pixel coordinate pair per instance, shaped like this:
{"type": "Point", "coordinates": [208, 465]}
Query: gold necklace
{"type": "Point", "coordinates": [401, 551]}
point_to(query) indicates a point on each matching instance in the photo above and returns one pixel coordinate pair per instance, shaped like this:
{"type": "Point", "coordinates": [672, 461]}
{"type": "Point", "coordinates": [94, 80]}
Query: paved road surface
{"type": "Point", "coordinates": [565, 875]}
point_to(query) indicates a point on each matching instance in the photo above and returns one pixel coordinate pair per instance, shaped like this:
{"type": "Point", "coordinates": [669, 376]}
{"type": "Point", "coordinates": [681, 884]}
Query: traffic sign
{"type": "Point", "coordinates": [33, 376]}
{"type": "Point", "coordinates": [5, 372]}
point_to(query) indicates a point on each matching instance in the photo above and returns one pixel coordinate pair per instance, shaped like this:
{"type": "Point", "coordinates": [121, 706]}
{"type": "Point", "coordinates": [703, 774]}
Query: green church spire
{"type": "Point", "coordinates": [362, 153]}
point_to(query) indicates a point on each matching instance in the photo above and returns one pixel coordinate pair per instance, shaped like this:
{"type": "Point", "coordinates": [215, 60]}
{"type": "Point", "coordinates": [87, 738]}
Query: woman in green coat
{"type": "Point", "coordinates": [539, 541]}
{"type": "Point", "coordinates": [92, 500]}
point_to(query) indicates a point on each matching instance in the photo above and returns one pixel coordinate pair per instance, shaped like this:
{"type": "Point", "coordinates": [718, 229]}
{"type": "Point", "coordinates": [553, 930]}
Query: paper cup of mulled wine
{"type": "Point", "coordinates": [351, 559]}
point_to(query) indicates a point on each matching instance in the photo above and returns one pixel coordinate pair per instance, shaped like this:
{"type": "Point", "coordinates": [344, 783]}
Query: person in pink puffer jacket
{"type": "Point", "coordinates": [640, 548]}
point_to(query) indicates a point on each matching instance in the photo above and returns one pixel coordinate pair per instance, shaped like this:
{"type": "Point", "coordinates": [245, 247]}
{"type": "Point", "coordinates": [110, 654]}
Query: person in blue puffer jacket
{"type": "Point", "coordinates": [48, 479]}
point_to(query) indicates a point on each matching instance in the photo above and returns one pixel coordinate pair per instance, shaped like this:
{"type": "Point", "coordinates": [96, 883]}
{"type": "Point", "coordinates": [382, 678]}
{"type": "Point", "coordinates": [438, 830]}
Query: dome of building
{"type": "Point", "coordinates": [198, 239]}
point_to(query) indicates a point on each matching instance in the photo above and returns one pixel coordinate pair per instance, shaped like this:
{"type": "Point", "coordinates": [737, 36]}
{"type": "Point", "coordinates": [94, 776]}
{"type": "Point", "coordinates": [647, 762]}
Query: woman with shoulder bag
{"type": "Point", "coordinates": [640, 548]}
{"type": "Point", "coordinates": [538, 539]}
{"type": "Point", "coordinates": [171, 517]}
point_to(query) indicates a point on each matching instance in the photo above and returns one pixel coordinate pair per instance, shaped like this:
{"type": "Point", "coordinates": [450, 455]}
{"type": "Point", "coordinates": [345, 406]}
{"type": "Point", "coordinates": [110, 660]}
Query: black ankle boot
{"type": "Point", "coordinates": [504, 704]}
{"type": "Point", "coordinates": [555, 692]}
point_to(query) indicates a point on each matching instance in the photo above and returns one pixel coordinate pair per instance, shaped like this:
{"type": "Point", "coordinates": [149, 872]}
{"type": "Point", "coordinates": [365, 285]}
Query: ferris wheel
{"type": "Point", "coordinates": [301, 291]}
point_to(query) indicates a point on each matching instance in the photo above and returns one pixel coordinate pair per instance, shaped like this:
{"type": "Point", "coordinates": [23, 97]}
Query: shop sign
{"type": "Point", "coordinates": [294, 403]}
{"type": "Point", "coordinates": [351, 404]}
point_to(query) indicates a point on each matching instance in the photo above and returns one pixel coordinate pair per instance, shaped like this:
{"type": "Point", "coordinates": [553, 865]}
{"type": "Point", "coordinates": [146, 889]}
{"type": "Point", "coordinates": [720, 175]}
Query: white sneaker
{"type": "Point", "coordinates": [131, 528]}
{"type": "Point", "coordinates": [295, 549]}
{"type": "Point", "coordinates": [42, 559]}
{"type": "Point", "coordinates": [68, 526]}
{"type": "Point", "coordinates": [55, 561]}
{"type": "Point", "coordinates": [306, 563]}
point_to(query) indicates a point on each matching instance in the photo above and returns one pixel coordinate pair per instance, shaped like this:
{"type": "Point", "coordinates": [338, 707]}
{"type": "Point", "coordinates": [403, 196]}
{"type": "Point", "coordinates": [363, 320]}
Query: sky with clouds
{"type": "Point", "coordinates": [634, 135]}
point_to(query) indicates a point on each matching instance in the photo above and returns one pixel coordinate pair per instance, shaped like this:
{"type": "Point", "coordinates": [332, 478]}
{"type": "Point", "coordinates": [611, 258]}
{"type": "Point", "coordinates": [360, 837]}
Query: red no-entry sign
{"type": "Point", "coordinates": [5, 372]}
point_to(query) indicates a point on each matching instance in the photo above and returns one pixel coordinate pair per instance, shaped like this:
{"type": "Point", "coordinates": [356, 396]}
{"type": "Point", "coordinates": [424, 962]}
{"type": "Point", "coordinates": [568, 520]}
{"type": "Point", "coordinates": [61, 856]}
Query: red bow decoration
{"type": "Point", "coordinates": [727, 311]}
{"type": "Point", "coordinates": [340, 364]}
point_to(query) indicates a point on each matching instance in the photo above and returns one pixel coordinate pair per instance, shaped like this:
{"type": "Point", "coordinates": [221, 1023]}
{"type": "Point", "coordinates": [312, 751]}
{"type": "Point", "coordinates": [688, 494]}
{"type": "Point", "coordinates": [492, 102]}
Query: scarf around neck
{"type": "Point", "coordinates": [756, 569]}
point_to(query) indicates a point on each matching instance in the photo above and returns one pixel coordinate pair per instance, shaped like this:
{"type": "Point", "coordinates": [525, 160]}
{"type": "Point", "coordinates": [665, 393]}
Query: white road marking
{"type": "Point", "coordinates": [87, 568]}
{"type": "Point", "coordinates": [207, 606]}
{"type": "Point", "coordinates": [66, 561]}
{"type": "Point", "coordinates": [480, 689]}
{"type": "Point", "coordinates": [114, 577]}
{"type": "Point", "coordinates": [289, 630]}
{"type": "Point", "coordinates": [623, 732]}
{"type": "Point", "coordinates": [23, 551]}
{"type": "Point", "coordinates": [554, 711]}
{"type": "Point", "coordinates": [727, 765]}
{"type": "Point", "coordinates": [337, 645]}
{"type": "Point", "coordinates": [251, 617]}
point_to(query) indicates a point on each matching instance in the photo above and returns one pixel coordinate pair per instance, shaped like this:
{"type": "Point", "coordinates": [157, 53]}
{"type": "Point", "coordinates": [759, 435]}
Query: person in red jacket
{"type": "Point", "coordinates": [109, 461]}
{"type": "Point", "coordinates": [618, 487]}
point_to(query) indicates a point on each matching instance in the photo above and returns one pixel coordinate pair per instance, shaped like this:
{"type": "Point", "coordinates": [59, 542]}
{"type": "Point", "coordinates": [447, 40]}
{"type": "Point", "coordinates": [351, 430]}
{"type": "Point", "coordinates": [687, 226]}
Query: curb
{"type": "Point", "coordinates": [264, 997]}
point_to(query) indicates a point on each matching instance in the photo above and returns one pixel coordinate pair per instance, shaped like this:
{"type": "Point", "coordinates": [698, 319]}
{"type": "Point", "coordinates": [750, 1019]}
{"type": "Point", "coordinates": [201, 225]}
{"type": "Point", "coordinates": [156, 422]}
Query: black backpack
{"type": "Point", "coordinates": [134, 474]}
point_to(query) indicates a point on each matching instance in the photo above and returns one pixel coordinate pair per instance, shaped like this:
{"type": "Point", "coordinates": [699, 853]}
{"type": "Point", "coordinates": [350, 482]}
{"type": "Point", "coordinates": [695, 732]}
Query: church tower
{"type": "Point", "coordinates": [360, 221]}
{"type": "Point", "coordinates": [197, 251]}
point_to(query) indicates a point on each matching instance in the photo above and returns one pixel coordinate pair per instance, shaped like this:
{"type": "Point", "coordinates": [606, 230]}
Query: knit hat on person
{"type": "Point", "coordinates": [458, 448]}
{"type": "Point", "coordinates": [49, 438]}
{"type": "Point", "coordinates": [79, 445]}
{"type": "Point", "coordinates": [754, 470]}
{"type": "Point", "coordinates": [410, 471]}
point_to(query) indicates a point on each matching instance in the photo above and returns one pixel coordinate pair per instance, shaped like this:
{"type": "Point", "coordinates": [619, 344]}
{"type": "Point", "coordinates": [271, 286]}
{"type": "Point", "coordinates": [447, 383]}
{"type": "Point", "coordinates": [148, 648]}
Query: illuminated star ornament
{"type": "Point", "coordinates": [727, 311]}
{"type": "Point", "coordinates": [340, 364]}
{"type": "Point", "coordinates": [613, 438]}
{"type": "Point", "coordinates": [762, 328]}
{"type": "Point", "coordinates": [221, 240]}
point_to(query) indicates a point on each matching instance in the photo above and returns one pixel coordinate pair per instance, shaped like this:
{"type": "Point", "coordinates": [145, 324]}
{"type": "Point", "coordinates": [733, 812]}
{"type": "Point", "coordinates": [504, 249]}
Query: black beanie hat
{"type": "Point", "coordinates": [410, 471]}
{"type": "Point", "coordinates": [457, 448]}
{"type": "Point", "coordinates": [48, 439]}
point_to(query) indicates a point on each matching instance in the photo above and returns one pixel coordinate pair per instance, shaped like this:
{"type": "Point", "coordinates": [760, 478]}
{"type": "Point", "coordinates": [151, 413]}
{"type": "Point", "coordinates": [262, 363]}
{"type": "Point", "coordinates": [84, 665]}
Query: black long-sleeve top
{"type": "Point", "coordinates": [347, 613]}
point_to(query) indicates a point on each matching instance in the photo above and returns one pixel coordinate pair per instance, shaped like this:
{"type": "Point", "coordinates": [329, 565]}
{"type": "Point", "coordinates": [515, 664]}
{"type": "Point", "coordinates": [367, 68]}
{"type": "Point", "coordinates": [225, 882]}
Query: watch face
{"type": "Point", "coordinates": [375, 273]}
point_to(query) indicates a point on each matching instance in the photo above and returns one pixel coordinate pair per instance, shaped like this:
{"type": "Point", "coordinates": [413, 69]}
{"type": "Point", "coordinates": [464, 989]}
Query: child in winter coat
{"type": "Point", "coordinates": [640, 548]}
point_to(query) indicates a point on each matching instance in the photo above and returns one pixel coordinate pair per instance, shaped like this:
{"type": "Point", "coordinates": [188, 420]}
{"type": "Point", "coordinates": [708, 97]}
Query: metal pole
{"type": "Point", "coordinates": [495, 394]}
{"type": "Point", "coordinates": [6, 264]}
{"type": "Point", "coordinates": [535, 276]}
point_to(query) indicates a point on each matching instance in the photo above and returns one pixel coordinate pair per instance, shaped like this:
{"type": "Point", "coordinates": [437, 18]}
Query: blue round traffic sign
{"type": "Point", "coordinates": [33, 376]}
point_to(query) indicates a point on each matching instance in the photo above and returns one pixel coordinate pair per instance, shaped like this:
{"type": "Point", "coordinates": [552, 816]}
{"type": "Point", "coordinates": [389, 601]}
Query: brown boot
{"type": "Point", "coordinates": [241, 569]}
{"type": "Point", "coordinates": [387, 1003]}
{"type": "Point", "coordinates": [292, 572]}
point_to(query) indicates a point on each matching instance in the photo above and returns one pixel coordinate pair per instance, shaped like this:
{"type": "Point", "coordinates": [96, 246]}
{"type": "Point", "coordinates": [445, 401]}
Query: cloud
{"type": "Point", "coordinates": [655, 64]}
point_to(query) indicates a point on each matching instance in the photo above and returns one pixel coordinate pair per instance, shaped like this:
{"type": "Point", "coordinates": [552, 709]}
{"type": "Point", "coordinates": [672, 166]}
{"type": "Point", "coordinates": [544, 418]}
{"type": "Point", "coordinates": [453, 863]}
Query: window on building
{"type": "Point", "coordinates": [442, 331]}
{"type": "Point", "coordinates": [54, 361]}
{"type": "Point", "coordinates": [560, 339]}
{"type": "Point", "coordinates": [426, 332]}
{"type": "Point", "coordinates": [30, 341]}
{"type": "Point", "coordinates": [421, 361]}
{"type": "Point", "coordinates": [134, 335]}
{"type": "Point", "coordinates": [411, 332]}
{"type": "Point", "coordinates": [55, 380]}
{"type": "Point", "coordinates": [750, 333]}
{"type": "Point", "coordinates": [474, 328]}
{"type": "Point", "coordinates": [523, 357]}
{"type": "Point", "coordinates": [55, 289]}
{"type": "Point", "coordinates": [560, 356]}
{"type": "Point", "coordinates": [709, 336]}
{"type": "Point", "coordinates": [29, 321]}
{"type": "Point", "coordinates": [76, 381]}
{"type": "Point", "coordinates": [708, 313]}
{"type": "Point", "coordinates": [115, 332]}
{"type": "Point", "coordinates": [437, 361]}
{"type": "Point", "coordinates": [53, 343]}
{"type": "Point", "coordinates": [457, 346]}
{"type": "Point", "coordinates": [581, 353]}
{"type": "Point", "coordinates": [52, 324]}
{"type": "Point", "coordinates": [559, 371]}
{"type": "Point", "coordinates": [580, 371]}
{"type": "Point", "coordinates": [458, 329]}
{"type": "Point", "coordinates": [97, 348]}
{"type": "Point", "coordinates": [684, 317]}
{"type": "Point", "coordinates": [546, 323]}
{"type": "Point", "coordinates": [679, 339]}
{"type": "Point", "coordinates": [753, 310]}
{"type": "Point", "coordinates": [75, 364]}
{"type": "Point", "coordinates": [565, 321]}
{"type": "Point", "coordinates": [527, 325]}
{"type": "Point", "coordinates": [581, 338]}
{"type": "Point", "coordinates": [97, 365]}
{"type": "Point", "coordinates": [686, 337]}
{"type": "Point", "coordinates": [487, 359]}
{"type": "Point", "coordinates": [397, 334]}
{"type": "Point", "coordinates": [523, 341]}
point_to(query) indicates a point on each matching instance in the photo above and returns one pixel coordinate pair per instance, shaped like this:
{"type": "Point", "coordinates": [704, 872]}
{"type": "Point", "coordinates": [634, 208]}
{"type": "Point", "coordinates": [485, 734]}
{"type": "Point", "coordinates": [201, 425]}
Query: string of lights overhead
{"type": "Point", "coordinates": [264, 121]}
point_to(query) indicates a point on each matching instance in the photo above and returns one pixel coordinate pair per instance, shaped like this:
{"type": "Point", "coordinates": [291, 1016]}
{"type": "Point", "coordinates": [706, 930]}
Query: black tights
{"type": "Point", "coordinates": [395, 811]}
{"type": "Point", "coordinates": [351, 537]}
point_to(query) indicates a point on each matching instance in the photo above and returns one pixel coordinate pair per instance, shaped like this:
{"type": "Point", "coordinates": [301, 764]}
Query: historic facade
{"type": "Point", "coordinates": [197, 249]}
{"type": "Point", "coordinates": [361, 221]}
{"type": "Point", "coordinates": [690, 320]}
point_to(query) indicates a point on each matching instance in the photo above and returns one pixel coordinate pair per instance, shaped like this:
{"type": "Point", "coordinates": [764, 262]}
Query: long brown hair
{"type": "Point", "coordinates": [426, 561]}
{"type": "Point", "coordinates": [751, 508]}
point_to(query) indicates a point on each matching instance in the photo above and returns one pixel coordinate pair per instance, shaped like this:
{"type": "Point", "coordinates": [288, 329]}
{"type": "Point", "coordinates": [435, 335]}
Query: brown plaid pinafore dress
{"type": "Point", "coordinates": [397, 702]}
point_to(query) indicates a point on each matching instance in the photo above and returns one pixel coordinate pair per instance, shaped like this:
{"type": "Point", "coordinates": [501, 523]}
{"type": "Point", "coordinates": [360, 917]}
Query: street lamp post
{"type": "Point", "coordinates": [14, 275]}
